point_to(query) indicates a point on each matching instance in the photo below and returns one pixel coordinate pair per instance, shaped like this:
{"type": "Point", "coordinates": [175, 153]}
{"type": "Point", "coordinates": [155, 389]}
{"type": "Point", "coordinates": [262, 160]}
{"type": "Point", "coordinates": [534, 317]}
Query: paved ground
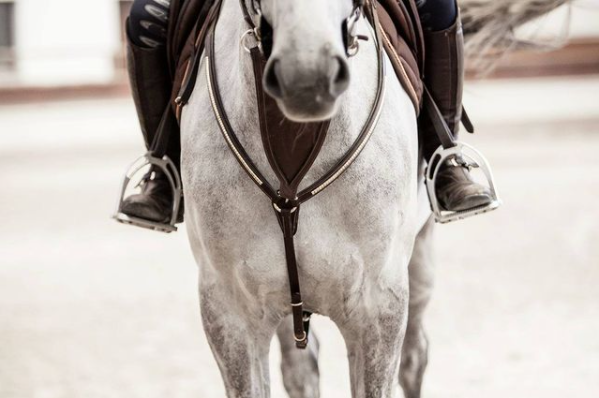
{"type": "Point", "coordinates": [92, 309]}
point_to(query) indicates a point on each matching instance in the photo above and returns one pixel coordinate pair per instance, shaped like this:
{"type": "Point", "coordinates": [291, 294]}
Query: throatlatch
{"type": "Point", "coordinates": [462, 155]}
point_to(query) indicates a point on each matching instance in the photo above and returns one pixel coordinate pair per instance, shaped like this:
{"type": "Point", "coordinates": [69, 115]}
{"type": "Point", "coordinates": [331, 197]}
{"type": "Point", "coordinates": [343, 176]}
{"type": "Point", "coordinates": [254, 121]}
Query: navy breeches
{"type": "Point", "coordinates": [148, 22]}
{"type": "Point", "coordinates": [437, 15]}
{"type": "Point", "coordinates": [148, 19]}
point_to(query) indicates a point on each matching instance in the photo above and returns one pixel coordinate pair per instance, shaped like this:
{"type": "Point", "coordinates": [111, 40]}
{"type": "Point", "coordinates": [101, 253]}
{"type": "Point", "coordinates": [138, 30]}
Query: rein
{"type": "Point", "coordinates": [286, 201]}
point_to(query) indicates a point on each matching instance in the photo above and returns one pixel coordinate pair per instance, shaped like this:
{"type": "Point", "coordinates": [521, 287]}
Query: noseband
{"type": "Point", "coordinates": [263, 32]}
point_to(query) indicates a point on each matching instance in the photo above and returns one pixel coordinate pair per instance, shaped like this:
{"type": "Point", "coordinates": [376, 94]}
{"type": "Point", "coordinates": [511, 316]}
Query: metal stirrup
{"type": "Point", "coordinates": [452, 149]}
{"type": "Point", "coordinates": [166, 165]}
{"type": "Point", "coordinates": [473, 159]}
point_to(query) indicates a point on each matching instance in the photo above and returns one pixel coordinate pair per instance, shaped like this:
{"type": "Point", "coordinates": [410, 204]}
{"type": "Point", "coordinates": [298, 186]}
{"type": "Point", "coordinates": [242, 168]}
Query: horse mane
{"type": "Point", "coordinates": [489, 28]}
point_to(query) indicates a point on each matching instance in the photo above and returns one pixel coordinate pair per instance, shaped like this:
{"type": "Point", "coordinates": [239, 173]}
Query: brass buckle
{"type": "Point", "coordinates": [166, 165]}
{"type": "Point", "coordinates": [472, 159]}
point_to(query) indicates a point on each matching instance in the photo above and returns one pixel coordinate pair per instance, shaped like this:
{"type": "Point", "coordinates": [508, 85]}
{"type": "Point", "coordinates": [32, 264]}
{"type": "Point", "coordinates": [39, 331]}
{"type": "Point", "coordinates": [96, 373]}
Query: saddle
{"type": "Point", "coordinates": [402, 38]}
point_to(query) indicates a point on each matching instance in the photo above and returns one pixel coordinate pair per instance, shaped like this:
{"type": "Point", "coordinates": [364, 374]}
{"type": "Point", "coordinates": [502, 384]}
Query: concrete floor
{"type": "Point", "coordinates": [93, 309]}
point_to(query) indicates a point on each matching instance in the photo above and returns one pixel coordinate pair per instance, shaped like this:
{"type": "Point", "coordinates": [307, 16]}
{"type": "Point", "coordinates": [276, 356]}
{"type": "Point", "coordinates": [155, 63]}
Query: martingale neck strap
{"type": "Point", "coordinates": [246, 14]}
{"type": "Point", "coordinates": [286, 201]}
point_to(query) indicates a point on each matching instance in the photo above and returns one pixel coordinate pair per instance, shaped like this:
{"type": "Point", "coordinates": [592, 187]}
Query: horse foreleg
{"type": "Point", "coordinates": [415, 349]}
{"type": "Point", "coordinates": [374, 336]}
{"type": "Point", "coordinates": [300, 367]}
{"type": "Point", "coordinates": [239, 345]}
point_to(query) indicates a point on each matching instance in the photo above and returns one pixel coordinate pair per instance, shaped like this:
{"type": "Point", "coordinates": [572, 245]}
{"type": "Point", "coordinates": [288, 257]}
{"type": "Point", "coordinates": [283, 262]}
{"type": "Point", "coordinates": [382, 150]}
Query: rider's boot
{"type": "Point", "coordinates": [151, 89]}
{"type": "Point", "coordinates": [444, 76]}
{"type": "Point", "coordinates": [155, 202]}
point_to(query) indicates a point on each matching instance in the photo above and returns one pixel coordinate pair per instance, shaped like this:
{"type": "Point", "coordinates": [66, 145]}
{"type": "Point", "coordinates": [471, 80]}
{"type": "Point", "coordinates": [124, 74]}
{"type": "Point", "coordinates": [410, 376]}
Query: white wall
{"type": "Point", "coordinates": [64, 42]}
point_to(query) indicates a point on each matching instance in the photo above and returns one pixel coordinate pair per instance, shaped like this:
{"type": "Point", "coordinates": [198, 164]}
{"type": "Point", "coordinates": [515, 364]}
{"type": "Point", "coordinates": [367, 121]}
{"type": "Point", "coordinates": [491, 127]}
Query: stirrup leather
{"type": "Point", "coordinates": [166, 165]}
{"type": "Point", "coordinates": [473, 159]}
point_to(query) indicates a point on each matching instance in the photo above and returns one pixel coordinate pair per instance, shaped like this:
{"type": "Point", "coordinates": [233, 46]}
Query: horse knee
{"type": "Point", "coordinates": [148, 22]}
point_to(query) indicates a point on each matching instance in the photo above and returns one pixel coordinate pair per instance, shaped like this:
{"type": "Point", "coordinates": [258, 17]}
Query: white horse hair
{"type": "Point", "coordinates": [363, 245]}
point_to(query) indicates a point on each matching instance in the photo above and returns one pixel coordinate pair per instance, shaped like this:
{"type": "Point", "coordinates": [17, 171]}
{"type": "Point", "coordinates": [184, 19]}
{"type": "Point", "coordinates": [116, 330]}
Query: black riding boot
{"type": "Point", "coordinates": [444, 76]}
{"type": "Point", "coordinates": [151, 88]}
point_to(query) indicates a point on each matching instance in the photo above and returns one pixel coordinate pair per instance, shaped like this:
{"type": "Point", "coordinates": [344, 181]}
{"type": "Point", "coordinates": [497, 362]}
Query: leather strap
{"type": "Point", "coordinates": [445, 135]}
{"type": "Point", "coordinates": [287, 213]}
{"type": "Point", "coordinates": [338, 169]}
{"type": "Point", "coordinates": [440, 126]}
{"type": "Point", "coordinates": [223, 121]}
{"type": "Point", "coordinates": [246, 14]}
{"type": "Point", "coordinates": [161, 141]}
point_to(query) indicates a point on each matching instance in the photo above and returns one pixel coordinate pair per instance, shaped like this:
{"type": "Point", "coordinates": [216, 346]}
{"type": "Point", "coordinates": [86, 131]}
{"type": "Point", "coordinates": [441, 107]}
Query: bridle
{"type": "Point", "coordinates": [263, 31]}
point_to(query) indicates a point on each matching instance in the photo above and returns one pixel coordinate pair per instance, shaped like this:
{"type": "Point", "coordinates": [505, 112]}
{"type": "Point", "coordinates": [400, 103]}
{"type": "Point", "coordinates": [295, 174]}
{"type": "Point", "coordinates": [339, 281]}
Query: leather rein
{"type": "Point", "coordinates": [287, 204]}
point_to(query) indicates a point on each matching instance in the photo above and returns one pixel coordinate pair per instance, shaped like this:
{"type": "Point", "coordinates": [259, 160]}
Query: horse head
{"type": "Point", "coordinates": [306, 45]}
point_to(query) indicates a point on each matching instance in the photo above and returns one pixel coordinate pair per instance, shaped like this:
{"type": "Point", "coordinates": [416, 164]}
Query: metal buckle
{"type": "Point", "coordinates": [255, 33]}
{"type": "Point", "coordinates": [353, 45]}
{"type": "Point", "coordinates": [302, 339]}
{"type": "Point", "coordinates": [167, 166]}
{"type": "Point", "coordinates": [471, 159]}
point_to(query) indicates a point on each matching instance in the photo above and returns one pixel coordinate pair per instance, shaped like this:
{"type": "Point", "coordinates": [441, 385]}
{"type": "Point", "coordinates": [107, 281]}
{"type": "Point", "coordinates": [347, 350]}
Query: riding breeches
{"type": "Point", "coordinates": [148, 19]}
{"type": "Point", "coordinates": [148, 22]}
{"type": "Point", "coordinates": [437, 15]}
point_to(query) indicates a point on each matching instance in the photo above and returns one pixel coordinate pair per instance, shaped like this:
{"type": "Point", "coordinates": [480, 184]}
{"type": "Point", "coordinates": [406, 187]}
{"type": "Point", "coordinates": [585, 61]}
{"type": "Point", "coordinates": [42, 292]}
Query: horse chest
{"type": "Point", "coordinates": [348, 230]}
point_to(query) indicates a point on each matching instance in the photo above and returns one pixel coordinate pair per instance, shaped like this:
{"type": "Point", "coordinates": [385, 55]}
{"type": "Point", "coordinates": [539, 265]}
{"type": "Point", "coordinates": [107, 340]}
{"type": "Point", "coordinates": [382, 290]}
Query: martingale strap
{"type": "Point", "coordinates": [286, 200]}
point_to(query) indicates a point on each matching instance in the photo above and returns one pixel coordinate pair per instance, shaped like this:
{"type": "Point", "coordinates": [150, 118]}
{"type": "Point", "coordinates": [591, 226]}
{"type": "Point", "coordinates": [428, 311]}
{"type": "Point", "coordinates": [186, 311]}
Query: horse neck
{"type": "Point", "coordinates": [235, 69]}
{"type": "Point", "coordinates": [230, 28]}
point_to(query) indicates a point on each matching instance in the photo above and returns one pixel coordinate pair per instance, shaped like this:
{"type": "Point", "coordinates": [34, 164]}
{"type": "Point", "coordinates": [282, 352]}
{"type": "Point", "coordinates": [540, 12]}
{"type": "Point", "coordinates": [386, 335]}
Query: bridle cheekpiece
{"type": "Point", "coordinates": [262, 32]}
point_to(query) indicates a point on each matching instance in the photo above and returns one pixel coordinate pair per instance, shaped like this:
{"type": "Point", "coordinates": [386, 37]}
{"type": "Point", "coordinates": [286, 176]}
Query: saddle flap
{"type": "Point", "coordinates": [402, 39]}
{"type": "Point", "coordinates": [291, 148]}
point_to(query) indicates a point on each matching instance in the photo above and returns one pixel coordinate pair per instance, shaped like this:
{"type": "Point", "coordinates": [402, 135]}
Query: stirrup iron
{"type": "Point", "coordinates": [473, 159]}
{"type": "Point", "coordinates": [166, 165]}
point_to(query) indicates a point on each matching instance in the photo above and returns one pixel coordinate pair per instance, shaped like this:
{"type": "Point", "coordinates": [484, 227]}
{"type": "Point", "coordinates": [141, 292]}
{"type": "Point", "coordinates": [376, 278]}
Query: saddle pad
{"type": "Point", "coordinates": [403, 41]}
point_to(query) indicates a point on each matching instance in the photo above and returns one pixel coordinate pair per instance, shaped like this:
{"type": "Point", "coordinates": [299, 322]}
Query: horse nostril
{"type": "Point", "coordinates": [272, 84]}
{"type": "Point", "coordinates": [339, 76]}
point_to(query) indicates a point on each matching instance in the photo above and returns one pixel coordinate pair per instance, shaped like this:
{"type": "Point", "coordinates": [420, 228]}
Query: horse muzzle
{"type": "Point", "coordinates": [307, 90]}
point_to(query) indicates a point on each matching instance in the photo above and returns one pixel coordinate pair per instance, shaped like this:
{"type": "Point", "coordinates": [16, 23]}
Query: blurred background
{"type": "Point", "coordinates": [91, 308]}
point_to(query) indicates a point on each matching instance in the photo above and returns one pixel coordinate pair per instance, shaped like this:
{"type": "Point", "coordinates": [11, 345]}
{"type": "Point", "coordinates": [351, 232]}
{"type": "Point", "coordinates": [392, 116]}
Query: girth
{"type": "Point", "coordinates": [291, 149]}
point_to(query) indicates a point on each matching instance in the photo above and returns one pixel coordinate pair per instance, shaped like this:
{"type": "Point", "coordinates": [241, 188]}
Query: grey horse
{"type": "Point", "coordinates": [363, 245]}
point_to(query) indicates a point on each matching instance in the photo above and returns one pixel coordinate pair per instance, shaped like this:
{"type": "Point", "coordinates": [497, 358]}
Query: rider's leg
{"type": "Point", "coordinates": [151, 88]}
{"type": "Point", "coordinates": [444, 76]}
